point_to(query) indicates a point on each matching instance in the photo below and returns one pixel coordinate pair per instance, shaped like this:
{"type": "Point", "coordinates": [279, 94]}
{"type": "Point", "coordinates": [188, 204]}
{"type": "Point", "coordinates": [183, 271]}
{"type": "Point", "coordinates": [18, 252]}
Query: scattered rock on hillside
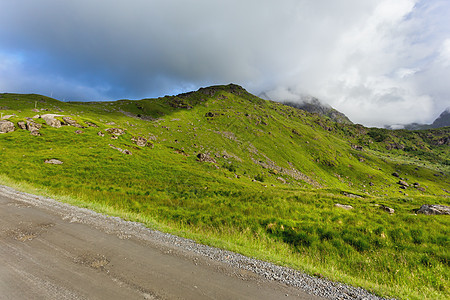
{"type": "Point", "coordinates": [282, 180]}
{"type": "Point", "coordinates": [79, 131]}
{"type": "Point", "coordinates": [32, 126]}
{"type": "Point", "coordinates": [53, 161]}
{"type": "Point", "coordinates": [387, 209]}
{"type": "Point", "coordinates": [51, 121]}
{"type": "Point", "coordinates": [403, 183]}
{"type": "Point", "coordinates": [90, 124]}
{"type": "Point", "coordinates": [351, 195]}
{"type": "Point", "coordinates": [115, 131]}
{"type": "Point", "coordinates": [22, 125]}
{"type": "Point", "coordinates": [434, 209]}
{"type": "Point", "coordinates": [124, 151]}
{"type": "Point", "coordinates": [71, 122]}
{"type": "Point", "coordinates": [346, 207]}
{"type": "Point", "coordinates": [35, 132]}
{"type": "Point", "coordinates": [395, 174]}
{"type": "Point", "coordinates": [140, 141]}
{"type": "Point", "coordinates": [100, 133]}
{"type": "Point", "coordinates": [357, 147]}
{"type": "Point", "coordinates": [6, 117]}
{"type": "Point", "coordinates": [6, 126]}
{"type": "Point", "coordinates": [204, 157]}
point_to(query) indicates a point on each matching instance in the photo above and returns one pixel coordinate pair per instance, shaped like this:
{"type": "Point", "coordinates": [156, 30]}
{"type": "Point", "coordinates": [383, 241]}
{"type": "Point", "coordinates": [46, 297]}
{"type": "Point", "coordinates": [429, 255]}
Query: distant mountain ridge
{"type": "Point", "coordinates": [315, 106]}
{"type": "Point", "coordinates": [442, 121]}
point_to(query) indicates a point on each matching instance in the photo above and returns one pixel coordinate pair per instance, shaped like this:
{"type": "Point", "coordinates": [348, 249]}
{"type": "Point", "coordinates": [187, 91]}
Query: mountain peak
{"type": "Point", "coordinates": [443, 120]}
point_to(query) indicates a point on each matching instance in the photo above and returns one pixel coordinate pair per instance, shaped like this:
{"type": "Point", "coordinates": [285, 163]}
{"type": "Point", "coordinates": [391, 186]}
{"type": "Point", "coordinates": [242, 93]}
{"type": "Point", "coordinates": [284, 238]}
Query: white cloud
{"type": "Point", "coordinates": [445, 53]}
{"type": "Point", "coordinates": [367, 58]}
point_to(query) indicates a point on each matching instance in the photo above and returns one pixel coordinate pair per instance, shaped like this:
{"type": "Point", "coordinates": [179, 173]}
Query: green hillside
{"type": "Point", "coordinates": [229, 169]}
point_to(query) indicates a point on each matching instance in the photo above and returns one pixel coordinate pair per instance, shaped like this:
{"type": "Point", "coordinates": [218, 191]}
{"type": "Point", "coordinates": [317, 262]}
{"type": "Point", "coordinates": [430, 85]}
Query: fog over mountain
{"type": "Point", "coordinates": [377, 61]}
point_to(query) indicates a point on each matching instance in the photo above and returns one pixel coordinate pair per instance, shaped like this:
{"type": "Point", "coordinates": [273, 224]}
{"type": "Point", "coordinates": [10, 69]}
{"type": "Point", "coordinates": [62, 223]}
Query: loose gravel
{"type": "Point", "coordinates": [126, 229]}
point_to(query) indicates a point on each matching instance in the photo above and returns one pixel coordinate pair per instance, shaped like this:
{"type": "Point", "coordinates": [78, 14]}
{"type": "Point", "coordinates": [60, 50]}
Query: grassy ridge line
{"type": "Point", "coordinates": [363, 247]}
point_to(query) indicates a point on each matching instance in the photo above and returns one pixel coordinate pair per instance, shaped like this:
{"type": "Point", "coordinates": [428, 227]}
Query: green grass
{"type": "Point", "coordinates": [239, 202]}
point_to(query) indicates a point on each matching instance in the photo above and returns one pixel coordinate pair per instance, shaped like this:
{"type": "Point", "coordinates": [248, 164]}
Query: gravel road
{"type": "Point", "coordinates": [51, 250]}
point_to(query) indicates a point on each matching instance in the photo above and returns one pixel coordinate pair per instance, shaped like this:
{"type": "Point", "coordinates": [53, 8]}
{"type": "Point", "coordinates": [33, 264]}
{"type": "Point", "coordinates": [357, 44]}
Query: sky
{"type": "Point", "coordinates": [381, 62]}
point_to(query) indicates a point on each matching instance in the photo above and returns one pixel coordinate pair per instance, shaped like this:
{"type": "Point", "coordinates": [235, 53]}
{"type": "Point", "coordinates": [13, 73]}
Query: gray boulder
{"type": "Point", "coordinates": [6, 126]}
{"type": "Point", "coordinates": [31, 126]}
{"type": "Point", "coordinates": [404, 183]}
{"type": "Point", "coordinates": [115, 131]}
{"type": "Point", "coordinates": [140, 141]}
{"type": "Point", "coordinates": [53, 161]}
{"type": "Point", "coordinates": [22, 125]}
{"type": "Point", "coordinates": [434, 209]}
{"type": "Point", "coordinates": [51, 121]}
{"type": "Point", "coordinates": [204, 157]}
{"type": "Point", "coordinates": [387, 209]}
{"type": "Point", "coordinates": [71, 122]}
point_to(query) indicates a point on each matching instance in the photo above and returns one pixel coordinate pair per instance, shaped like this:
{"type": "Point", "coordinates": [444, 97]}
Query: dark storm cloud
{"type": "Point", "coordinates": [379, 61]}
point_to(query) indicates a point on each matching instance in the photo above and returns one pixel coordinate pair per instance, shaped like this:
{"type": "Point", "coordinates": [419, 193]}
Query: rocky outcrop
{"type": "Point", "coordinates": [434, 209]}
{"type": "Point", "coordinates": [6, 126]}
{"type": "Point", "coordinates": [51, 120]}
{"type": "Point", "coordinates": [34, 127]}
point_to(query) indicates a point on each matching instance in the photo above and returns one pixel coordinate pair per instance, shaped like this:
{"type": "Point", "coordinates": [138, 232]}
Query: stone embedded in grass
{"type": "Point", "coordinates": [124, 151]}
{"type": "Point", "coordinates": [90, 124]}
{"type": "Point", "coordinates": [6, 126]}
{"type": "Point", "coordinates": [71, 122]}
{"type": "Point", "coordinates": [6, 117]}
{"type": "Point", "coordinates": [31, 126]}
{"type": "Point", "coordinates": [403, 183]}
{"type": "Point", "coordinates": [357, 147]}
{"type": "Point", "coordinates": [51, 121]}
{"type": "Point", "coordinates": [22, 125]}
{"type": "Point", "coordinates": [115, 131]}
{"type": "Point", "coordinates": [100, 133]}
{"type": "Point", "coordinates": [434, 209]}
{"type": "Point", "coordinates": [204, 157]}
{"type": "Point", "coordinates": [140, 141]}
{"type": "Point", "coordinates": [395, 174]}
{"type": "Point", "coordinates": [35, 132]}
{"type": "Point", "coordinates": [79, 131]}
{"type": "Point", "coordinates": [53, 161]}
{"type": "Point", "coordinates": [387, 209]}
{"type": "Point", "coordinates": [281, 179]}
{"type": "Point", "coordinates": [346, 207]}
{"type": "Point", "coordinates": [350, 195]}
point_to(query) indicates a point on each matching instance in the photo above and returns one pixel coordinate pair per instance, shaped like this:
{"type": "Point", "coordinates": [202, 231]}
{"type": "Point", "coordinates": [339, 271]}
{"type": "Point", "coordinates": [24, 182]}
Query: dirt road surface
{"type": "Point", "coordinates": [55, 251]}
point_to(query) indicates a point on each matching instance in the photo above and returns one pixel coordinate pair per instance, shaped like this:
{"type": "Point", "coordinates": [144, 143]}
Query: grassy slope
{"type": "Point", "coordinates": [293, 224]}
